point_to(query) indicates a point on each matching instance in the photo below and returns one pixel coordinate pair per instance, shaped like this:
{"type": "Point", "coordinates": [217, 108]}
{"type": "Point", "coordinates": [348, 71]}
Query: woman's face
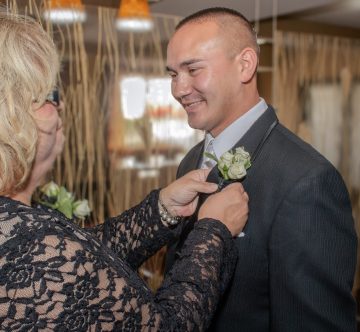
{"type": "Point", "coordinates": [51, 137]}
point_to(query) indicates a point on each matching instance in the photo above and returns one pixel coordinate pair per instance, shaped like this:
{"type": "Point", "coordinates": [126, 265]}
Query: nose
{"type": "Point", "coordinates": [181, 87]}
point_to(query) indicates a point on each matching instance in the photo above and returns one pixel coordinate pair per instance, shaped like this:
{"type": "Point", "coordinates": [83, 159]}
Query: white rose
{"type": "Point", "coordinates": [226, 158]}
{"type": "Point", "coordinates": [236, 171]}
{"type": "Point", "coordinates": [68, 196]}
{"type": "Point", "coordinates": [241, 153]}
{"type": "Point", "coordinates": [81, 208]}
{"type": "Point", "coordinates": [51, 189]}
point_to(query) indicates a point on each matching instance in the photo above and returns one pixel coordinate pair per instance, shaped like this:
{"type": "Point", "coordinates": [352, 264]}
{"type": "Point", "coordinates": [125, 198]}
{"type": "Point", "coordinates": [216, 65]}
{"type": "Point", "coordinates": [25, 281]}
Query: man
{"type": "Point", "coordinates": [297, 254]}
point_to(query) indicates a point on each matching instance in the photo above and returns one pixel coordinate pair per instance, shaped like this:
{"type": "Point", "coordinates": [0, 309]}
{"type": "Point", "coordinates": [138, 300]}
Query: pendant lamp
{"type": "Point", "coordinates": [134, 15]}
{"type": "Point", "coordinates": [64, 11]}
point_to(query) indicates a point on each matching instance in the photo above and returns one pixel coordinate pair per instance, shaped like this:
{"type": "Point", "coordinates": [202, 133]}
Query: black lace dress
{"type": "Point", "coordinates": [55, 276]}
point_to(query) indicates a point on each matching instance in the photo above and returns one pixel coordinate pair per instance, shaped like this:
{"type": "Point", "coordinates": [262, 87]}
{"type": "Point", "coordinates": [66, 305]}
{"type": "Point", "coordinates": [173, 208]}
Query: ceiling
{"type": "Point", "coordinates": [335, 12]}
{"type": "Point", "coordinates": [342, 13]}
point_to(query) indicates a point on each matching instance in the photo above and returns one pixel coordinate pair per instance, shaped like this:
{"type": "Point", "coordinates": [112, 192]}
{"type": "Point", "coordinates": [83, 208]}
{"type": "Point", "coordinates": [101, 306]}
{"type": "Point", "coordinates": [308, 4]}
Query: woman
{"type": "Point", "coordinates": [56, 276]}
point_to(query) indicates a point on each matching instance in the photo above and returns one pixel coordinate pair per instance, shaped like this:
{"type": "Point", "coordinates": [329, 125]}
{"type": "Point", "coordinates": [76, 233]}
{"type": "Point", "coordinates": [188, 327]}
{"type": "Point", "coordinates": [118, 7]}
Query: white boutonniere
{"type": "Point", "coordinates": [60, 199]}
{"type": "Point", "coordinates": [232, 164]}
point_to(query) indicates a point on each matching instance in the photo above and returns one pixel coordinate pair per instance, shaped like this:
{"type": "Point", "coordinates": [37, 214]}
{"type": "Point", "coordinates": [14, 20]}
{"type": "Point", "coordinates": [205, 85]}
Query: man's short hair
{"type": "Point", "coordinates": [229, 20]}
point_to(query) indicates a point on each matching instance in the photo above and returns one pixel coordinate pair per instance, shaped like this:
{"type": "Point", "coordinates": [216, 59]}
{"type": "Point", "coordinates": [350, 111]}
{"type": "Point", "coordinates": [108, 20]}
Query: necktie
{"type": "Point", "coordinates": [208, 162]}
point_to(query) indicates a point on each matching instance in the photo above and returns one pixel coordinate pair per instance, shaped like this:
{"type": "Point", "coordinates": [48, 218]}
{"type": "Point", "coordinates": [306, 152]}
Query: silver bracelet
{"type": "Point", "coordinates": [166, 217]}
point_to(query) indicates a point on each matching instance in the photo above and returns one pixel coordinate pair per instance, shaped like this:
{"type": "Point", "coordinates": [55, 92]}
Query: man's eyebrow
{"type": "Point", "coordinates": [185, 63]}
{"type": "Point", "coordinates": [189, 62]}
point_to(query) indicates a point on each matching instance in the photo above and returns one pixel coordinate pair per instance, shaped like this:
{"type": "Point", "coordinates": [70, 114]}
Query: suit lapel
{"type": "Point", "coordinates": [253, 140]}
{"type": "Point", "coordinates": [213, 175]}
{"type": "Point", "coordinates": [255, 137]}
{"type": "Point", "coordinates": [193, 158]}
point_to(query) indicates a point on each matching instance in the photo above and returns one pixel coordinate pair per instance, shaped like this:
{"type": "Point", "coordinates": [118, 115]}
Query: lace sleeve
{"type": "Point", "coordinates": [199, 277]}
{"type": "Point", "coordinates": [137, 233]}
{"type": "Point", "coordinates": [59, 278]}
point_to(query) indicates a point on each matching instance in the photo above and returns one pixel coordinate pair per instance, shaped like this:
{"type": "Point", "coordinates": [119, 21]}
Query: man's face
{"type": "Point", "coordinates": [204, 78]}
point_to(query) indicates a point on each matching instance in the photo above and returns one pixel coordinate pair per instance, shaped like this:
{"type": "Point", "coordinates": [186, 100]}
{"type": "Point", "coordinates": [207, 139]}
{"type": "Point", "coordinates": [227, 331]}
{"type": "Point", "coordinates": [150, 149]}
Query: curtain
{"type": "Point", "coordinates": [326, 120]}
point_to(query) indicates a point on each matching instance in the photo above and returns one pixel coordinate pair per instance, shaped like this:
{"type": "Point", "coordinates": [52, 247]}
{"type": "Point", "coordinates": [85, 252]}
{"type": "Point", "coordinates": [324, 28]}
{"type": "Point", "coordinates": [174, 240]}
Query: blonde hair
{"type": "Point", "coordinates": [29, 65]}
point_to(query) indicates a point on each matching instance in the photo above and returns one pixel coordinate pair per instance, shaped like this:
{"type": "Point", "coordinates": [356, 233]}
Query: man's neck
{"type": "Point", "coordinates": [235, 131]}
{"type": "Point", "coordinates": [246, 100]}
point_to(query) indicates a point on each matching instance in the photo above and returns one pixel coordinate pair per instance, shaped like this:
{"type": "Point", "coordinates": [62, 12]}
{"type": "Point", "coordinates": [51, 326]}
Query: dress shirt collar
{"type": "Point", "coordinates": [235, 131]}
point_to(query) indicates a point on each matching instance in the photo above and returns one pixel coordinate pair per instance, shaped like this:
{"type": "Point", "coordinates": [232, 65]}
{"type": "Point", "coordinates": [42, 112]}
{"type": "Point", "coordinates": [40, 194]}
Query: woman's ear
{"type": "Point", "coordinates": [247, 63]}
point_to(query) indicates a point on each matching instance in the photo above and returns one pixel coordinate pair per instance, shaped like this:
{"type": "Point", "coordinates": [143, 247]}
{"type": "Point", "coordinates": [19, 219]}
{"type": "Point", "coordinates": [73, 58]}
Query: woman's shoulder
{"type": "Point", "coordinates": [19, 221]}
{"type": "Point", "coordinates": [17, 212]}
{"type": "Point", "coordinates": [37, 227]}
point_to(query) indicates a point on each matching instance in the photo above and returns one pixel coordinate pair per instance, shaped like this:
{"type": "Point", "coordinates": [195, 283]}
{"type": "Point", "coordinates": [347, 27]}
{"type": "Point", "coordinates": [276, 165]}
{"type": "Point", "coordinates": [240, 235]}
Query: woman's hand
{"type": "Point", "coordinates": [181, 196]}
{"type": "Point", "coordinates": [230, 206]}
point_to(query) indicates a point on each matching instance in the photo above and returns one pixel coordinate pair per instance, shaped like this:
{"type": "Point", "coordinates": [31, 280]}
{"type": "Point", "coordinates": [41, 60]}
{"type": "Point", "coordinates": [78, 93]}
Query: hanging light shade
{"type": "Point", "coordinates": [134, 15]}
{"type": "Point", "coordinates": [65, 11]}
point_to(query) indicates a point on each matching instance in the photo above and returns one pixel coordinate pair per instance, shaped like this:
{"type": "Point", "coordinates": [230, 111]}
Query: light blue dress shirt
{"type": "Point", "coordinates": [235, 131]}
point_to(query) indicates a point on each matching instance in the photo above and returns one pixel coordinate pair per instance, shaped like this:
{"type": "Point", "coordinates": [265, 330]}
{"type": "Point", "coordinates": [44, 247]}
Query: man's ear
{"type": "Point", "coordinates": [247, 61]}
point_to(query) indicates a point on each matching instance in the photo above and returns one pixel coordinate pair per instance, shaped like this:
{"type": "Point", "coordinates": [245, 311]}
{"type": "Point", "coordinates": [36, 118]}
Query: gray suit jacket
{"type": "Point", "coordinates": [297, 259]}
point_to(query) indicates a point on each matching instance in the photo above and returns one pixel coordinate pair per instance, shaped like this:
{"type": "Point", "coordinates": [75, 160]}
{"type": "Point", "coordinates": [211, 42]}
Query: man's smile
{"type": "Point", "coordinates": [191, 106]}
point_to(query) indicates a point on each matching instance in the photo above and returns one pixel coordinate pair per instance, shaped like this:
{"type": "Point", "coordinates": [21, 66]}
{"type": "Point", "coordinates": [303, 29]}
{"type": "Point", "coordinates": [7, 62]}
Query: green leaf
{"type": "Point", "coordinates": [211, 156]}
{"type": "Point", "coordinates": [65, 207]}
{"type": "Point", "coordinates": [65, 195]}
{"type": "Point", "coordinates": [64, 202]}
{"type": "Point", "coordinates": [247, 164]}
{"type": "Point", "coordinates": [53, 206]}
{"type": "Point", "coordinates": [223, 172]}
